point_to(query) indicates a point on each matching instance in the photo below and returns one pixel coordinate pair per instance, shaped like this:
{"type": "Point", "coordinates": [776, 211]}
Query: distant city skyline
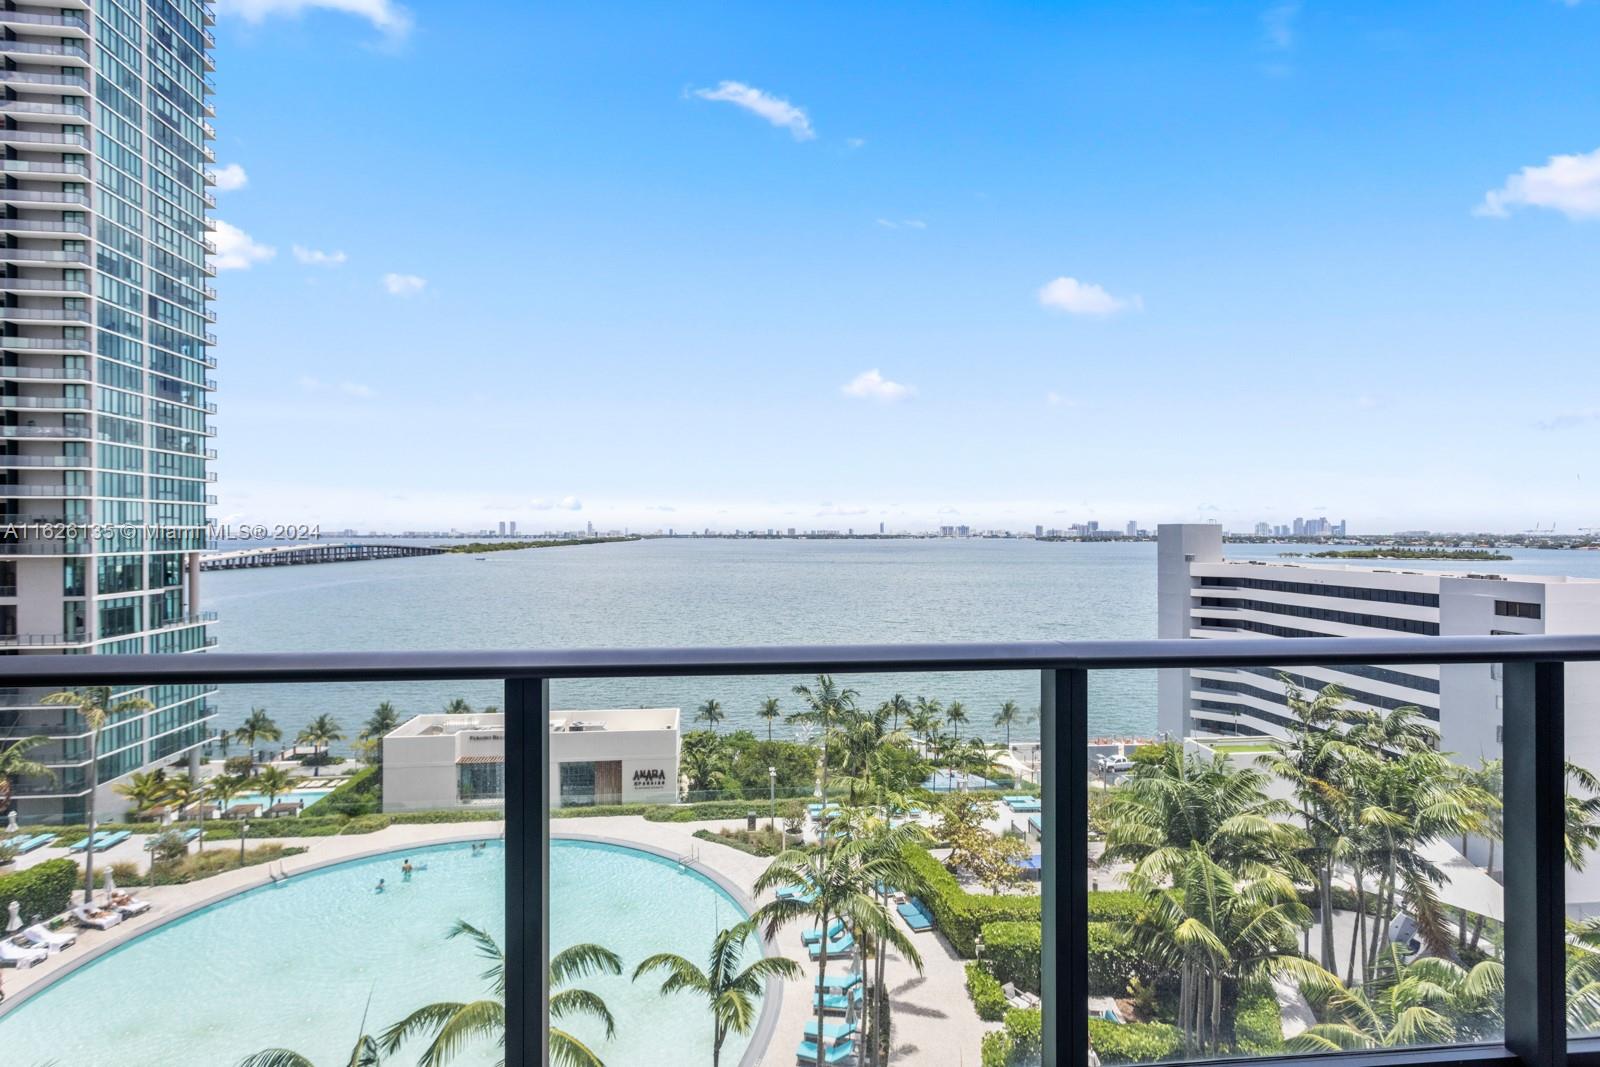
{"type": "Point", "coordinates": [789, 267]}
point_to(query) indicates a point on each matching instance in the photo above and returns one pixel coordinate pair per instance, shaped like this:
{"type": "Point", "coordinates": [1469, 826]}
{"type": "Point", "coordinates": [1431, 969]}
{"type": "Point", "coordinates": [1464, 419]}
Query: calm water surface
{"type": "Point", "coordinates": [723, 592]}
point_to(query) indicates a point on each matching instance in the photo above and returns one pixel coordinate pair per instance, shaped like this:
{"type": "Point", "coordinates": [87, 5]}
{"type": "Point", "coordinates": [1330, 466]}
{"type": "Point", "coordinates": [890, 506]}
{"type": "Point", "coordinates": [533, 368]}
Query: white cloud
{"type": "Point", "coordinates": [1277, 23]}
{"type": "Point", "coordinates": [384, 15]}
{"type": "Point", "coordinates": [237, 250]}
{"type": "Point", "coordinates": [1084, 298]}
{"type": "Point", "coordinates": [871, 385]}
{"type": "Point", "coordinates": [570, 503]}
{"type": "Point", "coordinates": [1570, 419]}
{"type": "Point", "coordinates": [777, 111]}
{"type": "Point", "coordinates": [404, 284]}
{"type": "Point", "coordinates": [1568, 184]}
{"type": "Point", "coordinates": [230, 177]}
{"type": "Point", "coordinates": [356, 389]}
{"type": "Point", "coordinates": [855, 142]}
{"type": "Point", "coordinates": [317, 258]}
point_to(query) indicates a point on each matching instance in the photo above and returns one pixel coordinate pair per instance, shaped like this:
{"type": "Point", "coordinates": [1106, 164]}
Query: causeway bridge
{"type": "Point", "coordinates": [296, 555]}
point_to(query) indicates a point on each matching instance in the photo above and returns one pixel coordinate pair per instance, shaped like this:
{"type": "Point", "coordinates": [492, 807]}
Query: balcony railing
{"type": "Point", "coordinates": [29, 18]}
{"type": "Point", "coordinates": [45, 431]}
{"type": "Point", "coordinates": [36, 166]}
{"type": "Point", "coordinates": [37, 48]}
{"type": "Point", "coordinates": [1533, 672]}
{"type": "Point", "coordinates": [44, 461]}
{"type": "Point", "coordinates": [45, 490]}
{"type": "Point", "coordinates": [43, 196]}
{"type": "Point", "coordinates": [48, 344]}
{"type": "Point", "coordinates": [36, 107]}
{"type": "Point", "coordinates": [44, 137]}
{"type": "Point", "coordinates": [69, 403]}
{"type": "Point", "coordinates": [44, 225]}
{"type": "Point", "coordinates": [53, 285]}
{"type": "Point", "coordinates": [77, 374]}
{"type": "Point", "coordinates": [44, 314]}
{"type": "Point", "coordinates": [43, 255]}
{"type": "Point", "coordinates": [28, 77]}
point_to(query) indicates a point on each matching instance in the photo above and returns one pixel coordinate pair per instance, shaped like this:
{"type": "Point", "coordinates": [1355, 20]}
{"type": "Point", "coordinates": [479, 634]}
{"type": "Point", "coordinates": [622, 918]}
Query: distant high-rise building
{"type": "Point", "coordinates": [589, 528]}
{"type": "Point", "coordinates": [105, 364]}
{"type": "Point", "coordinates": [1133, 528]}
{"type": "Point", "coordinates": [502, 528]}
{"type": "Point", "coordinates": [1038, 531]}
{"type": "Point", "coordinates": [1299, 527]}
{"type": "Point", "coordinates": [880, 527]}
{"type": "Point", "coordinates": [1263, 529]}
{"type": "Point", "coordinates": [512, 527]}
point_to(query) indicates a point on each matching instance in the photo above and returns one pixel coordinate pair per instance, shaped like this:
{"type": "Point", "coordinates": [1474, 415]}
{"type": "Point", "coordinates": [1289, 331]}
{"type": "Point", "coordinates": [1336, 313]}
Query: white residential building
{"type": "Point", "coordinates": [614, 756]}
{"type": "Point", "coordinates": [1202, 595]}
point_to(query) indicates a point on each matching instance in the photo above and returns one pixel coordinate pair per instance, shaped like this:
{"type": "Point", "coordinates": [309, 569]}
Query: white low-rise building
{"type": "Point", "coordinates": [612, 756]}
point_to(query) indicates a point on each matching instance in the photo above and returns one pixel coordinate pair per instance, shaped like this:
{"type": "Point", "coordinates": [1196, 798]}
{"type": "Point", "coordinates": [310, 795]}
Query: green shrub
{"type": "Point", "coordinates": [718, 809]}
{"type": "Point", "coordinates": [1014, 951]}
{"type": "Point", "coordinates": [243, 765]}
{"type": "Point", "coordinates": [996, 1049]}
{"type": "Point", "coordinates": [1133, 1042]}
{"type": "Point", "coordinates": [986, 994]}
{"type": "Point", "coordinates": [366, 824]}
{"type": "Point", "coordinates": [1106, 906]}
{"type": "Point", "coordinates": [410, 818]}
{"type": "Point", "coordinates": [762, 843]}
{"type": "Point", "coordinates": [1113, 960]}
{"type": "Point", "coordinates": [959, 914]}
{"type": "Point", "coordinates": [40, 891]}
{"type": "Point", "coordinates": [1257, 1023]}
{"type": "Point", "coordinates": [361, 795]}
{"type": "Point", "coordinates": [1025, 1028]}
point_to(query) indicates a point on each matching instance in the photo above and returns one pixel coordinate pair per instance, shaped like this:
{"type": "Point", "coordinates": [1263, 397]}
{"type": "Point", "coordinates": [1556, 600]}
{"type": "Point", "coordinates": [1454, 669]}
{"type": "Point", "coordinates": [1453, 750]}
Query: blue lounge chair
{"type": "Point", "coordinates": [840, 946]}
{"type": "Point", "coordinates": [915, 915]}
{"type": "Point", "coordinates": [831, 1032]}
{"type": "Point", "coordinates": [94, 839]}
{"type": "Point", "coordinates": [837, 982]}
{"type": "Point", "coordinates": [813, 935]}
{"type": "Point", "coordinates": [797, 892]}
{"type": "Point", "coordinates": [28, 844]}
{"type": "Point", "coordinates": [1018, 798]}
{"type": "Point", "coordinates": [839, 1002]}
{"type": "Point", "coordinates": [112, 840]}
{"type": "Point", "coordinates": [190, 834]}
{"type": "Point", "coordinates": [842, 1052]}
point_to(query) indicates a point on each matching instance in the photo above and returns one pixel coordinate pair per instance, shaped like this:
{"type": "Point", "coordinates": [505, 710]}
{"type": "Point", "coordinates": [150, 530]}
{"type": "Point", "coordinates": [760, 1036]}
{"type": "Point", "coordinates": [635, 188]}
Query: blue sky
{"type": "Point", "coordinates": [828, 265]}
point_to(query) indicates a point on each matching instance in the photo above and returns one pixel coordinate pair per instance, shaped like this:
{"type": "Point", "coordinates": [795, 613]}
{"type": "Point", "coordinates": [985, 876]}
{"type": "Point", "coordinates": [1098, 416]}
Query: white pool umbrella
{"type": "Point", "coordinates": [111, 883]}
{"type": "Point", "coordinates": [14, 923]}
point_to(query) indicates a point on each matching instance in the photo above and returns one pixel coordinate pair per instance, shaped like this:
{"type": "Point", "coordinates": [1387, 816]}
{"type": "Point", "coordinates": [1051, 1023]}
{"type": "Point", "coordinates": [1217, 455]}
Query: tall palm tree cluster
{"type": "Point", "coordinates": [1225, 858]}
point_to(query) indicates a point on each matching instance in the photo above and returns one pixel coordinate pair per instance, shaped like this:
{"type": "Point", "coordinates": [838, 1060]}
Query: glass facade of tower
{"type": "Point", "coordinates": [105, 357]}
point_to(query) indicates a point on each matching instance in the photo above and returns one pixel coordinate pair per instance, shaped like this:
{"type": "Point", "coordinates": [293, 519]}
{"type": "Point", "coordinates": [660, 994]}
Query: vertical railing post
{"type": "Point", "coordinates": [527, 787]}
{"type": "Point", "coordinates": [1064, 845]}
{"type": "Point", "coordinates": [1533, 730]}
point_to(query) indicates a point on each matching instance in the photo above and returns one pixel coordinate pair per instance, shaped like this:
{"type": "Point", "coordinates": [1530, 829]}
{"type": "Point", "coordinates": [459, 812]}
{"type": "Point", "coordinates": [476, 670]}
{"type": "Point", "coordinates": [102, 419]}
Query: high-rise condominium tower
{"type": "Point", "coordinates": [104, 363]}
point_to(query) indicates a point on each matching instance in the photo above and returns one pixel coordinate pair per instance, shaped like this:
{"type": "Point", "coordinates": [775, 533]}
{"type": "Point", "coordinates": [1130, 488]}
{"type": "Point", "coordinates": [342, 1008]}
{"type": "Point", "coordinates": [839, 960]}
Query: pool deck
{"type": "Point", "coordinates": [935, 1024]}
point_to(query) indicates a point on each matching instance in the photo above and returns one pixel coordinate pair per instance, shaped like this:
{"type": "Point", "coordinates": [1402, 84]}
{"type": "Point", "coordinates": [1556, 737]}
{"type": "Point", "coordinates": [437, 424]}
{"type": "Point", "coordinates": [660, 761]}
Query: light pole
{"type": "Point", "coordinates": [244, 832]}
{"type": "Point", "coordinates": [772, 790]}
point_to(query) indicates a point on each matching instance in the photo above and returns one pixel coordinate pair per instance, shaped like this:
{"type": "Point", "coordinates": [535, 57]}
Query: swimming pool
{"type": "Point", "coordinates": [305, 796]}
{"type": "Point", "coordinates": [294, 965]}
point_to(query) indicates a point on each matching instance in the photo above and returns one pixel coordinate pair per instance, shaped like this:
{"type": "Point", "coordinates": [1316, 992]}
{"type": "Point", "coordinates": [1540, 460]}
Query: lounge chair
{"type": "Point", "coordinates": [1019, 998]}
{"type": "Point", "coordinates": [96, 918]}
{"type": "Point", "coordinates": [843, 1052]}
{"type": "Point", "coordinates": [915, 915]}
{"type": "Point", "coordinates": [838, 983]}
{"type": "Point", "coordinates": [831, 1032]}
{"type": "Point", "coordinates": [190, 834]}
{"type": "Point", "coordinates": [840, 1003]}
{"type": "Point", "coordinates": [93, 839]}
{"type": "Point", "coordinates": [1019, 798]}
{"type": "Point", "coordinates": [804, 894]}
{"type": "Point", "coordinates": [129, 906]}
{"type": "Point", "coordinates": [17, 956]}
{"type": "Point", "coordinates": [41, 936]}
{"type": "Point", "coordinates": [113, 839]}
{"type": "Point", "coordinates": [813, 935]}
{"type": "Point", "coordinates": [840, 946]}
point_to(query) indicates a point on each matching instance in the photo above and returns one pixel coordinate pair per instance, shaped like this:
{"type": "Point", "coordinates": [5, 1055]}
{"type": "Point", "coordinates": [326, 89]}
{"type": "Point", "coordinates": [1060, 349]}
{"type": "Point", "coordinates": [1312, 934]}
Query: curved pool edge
{"type": "Point", "coordinates": [772, 998]}
{"type": "Point", "coordinates": [760, 1036]}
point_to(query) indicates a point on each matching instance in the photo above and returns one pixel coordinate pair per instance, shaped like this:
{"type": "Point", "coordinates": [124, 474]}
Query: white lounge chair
{"type": "Point", "coordinates": [17, 956]}
{"type": "Point", "coordinates": [128, 906]}
{"type": "Point", "coordinates": [97, 918]}
{"type": "Point", "coordinates": [40, 936]}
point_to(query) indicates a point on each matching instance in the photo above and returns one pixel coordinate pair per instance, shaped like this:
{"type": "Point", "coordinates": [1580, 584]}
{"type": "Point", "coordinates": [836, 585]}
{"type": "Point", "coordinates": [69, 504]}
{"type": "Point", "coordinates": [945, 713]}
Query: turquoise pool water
{"type": "Point", "coordinates": [307, 796]}
{"type": "Point", "coordinates": [294, 965]}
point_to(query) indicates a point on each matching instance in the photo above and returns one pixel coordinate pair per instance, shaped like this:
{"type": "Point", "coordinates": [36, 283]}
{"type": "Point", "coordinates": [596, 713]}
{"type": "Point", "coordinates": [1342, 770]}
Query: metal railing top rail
{"type": "Point", "coordinates": [794, 659]}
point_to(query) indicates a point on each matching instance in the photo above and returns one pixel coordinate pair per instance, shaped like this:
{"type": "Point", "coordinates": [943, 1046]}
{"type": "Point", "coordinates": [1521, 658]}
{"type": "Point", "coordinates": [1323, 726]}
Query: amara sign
{"type": "Point", "coordinates": [649, 779]}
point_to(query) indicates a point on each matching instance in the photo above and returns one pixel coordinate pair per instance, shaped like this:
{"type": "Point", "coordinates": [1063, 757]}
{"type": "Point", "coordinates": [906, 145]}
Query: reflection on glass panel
{"type": "Point", "coordinates": [324, 880]}
{"type": "Point", "coordinates": [1583, 847]}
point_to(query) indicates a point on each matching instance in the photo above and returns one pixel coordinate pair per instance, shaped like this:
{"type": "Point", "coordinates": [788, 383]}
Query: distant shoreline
{"type": "Point", "coordinates": [1472, 554]}
{"type": "Point", "coordinates": [476, 547]}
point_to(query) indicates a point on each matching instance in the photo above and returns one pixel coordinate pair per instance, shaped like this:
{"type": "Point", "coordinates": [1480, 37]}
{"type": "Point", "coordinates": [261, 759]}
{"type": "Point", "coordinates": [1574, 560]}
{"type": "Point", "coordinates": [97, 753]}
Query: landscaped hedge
{"type": "Point", "coordinates": [361, 795]}
{"type": "Point", "coordinates": [1257, 1022]}
{"type": "Point", "coordinates": [1115, 905]}
{"type": "Point", "coordinates": [1113, 960]}
{"type": "Point", "coordinates": [986, 994]}
{"type": "Point", "coordinates": [704, 811]}
{"type": "Point", "coordinates": [1014, 950]}
{"type": "Point", "coordinates": [1025, 1028]}
{"type": "Point", "coordinates": [412, 818]}
{"type": "Point", "coordinates": [1133, 1042]}
{"type": "Point", "coordinates": [959, 914]}
{"type": "Point", "coordinates": [40, 891]}
{"type": "Point", "coordinates": [996, 1050]}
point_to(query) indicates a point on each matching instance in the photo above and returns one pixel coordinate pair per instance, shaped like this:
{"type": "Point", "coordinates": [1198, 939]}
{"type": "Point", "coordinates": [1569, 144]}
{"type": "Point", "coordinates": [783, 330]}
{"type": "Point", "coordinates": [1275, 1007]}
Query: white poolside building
{"type": "Point", "coordinates": [610, 756]}
{"type": "Point", "coordinates": [1202, 595]}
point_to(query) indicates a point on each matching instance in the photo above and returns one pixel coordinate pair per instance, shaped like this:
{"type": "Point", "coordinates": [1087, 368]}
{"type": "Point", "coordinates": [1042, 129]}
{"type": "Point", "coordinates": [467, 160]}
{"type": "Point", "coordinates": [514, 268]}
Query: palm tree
{"type": "Point", "coordinates": [899, 707]}
{"type": "Point", "coordinates": [711, 712]}
{"type": "Point", "coordinates": [1583, 815]}
{"type": "Point", "coordinates": [272, 783]}
{"type": "Point", "coordinates": [703, 756]}
{"type": "Point", "coordinates": [365, 1054]}
{"type": "Point", "coordinates": [826, 705]}
{"type": "Point", "coordinates": [452, 1024]}
{"type": "Point", "coordinates": [925, 723]}
{"type": "Point", "coordinates": [382, 721]}
{"type": "Point", "coordinates": [319, 733]}
{"type": "Point", "coordinates": [256, 728]}
{"type": "Point", "coordinates": [1431, 1001]}
{"type": "Point", "coordinates": [189, 794]}
{"type": "Point", "coordinates": [769, 711]}
{"type": "Point", "coordinates": [14, 764]}
{"type": "Point", "coordinates": [95, 707]}
{"type": "Point", "coordinates": [224, 787]}
{"type": "Point", "coordinates": [728, 991]}
{"type": "Point", "coordinates": [1009, 713]}
{"type": "Point", "coordinates": [844, 877]}
{"type": "Point", "coordinates": [955, 715]}
{"type": "Point", "coordinates": [144, 790]}
{"type": "Point", "coordinates": [458, 707]}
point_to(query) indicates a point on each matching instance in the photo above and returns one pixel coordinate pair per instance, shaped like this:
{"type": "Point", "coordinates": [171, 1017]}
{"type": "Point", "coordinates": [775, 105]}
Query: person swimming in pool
{"type": "Point", "coordinates": [405, 870]}
{"type": "Point", "coordinates": [379, 889]}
